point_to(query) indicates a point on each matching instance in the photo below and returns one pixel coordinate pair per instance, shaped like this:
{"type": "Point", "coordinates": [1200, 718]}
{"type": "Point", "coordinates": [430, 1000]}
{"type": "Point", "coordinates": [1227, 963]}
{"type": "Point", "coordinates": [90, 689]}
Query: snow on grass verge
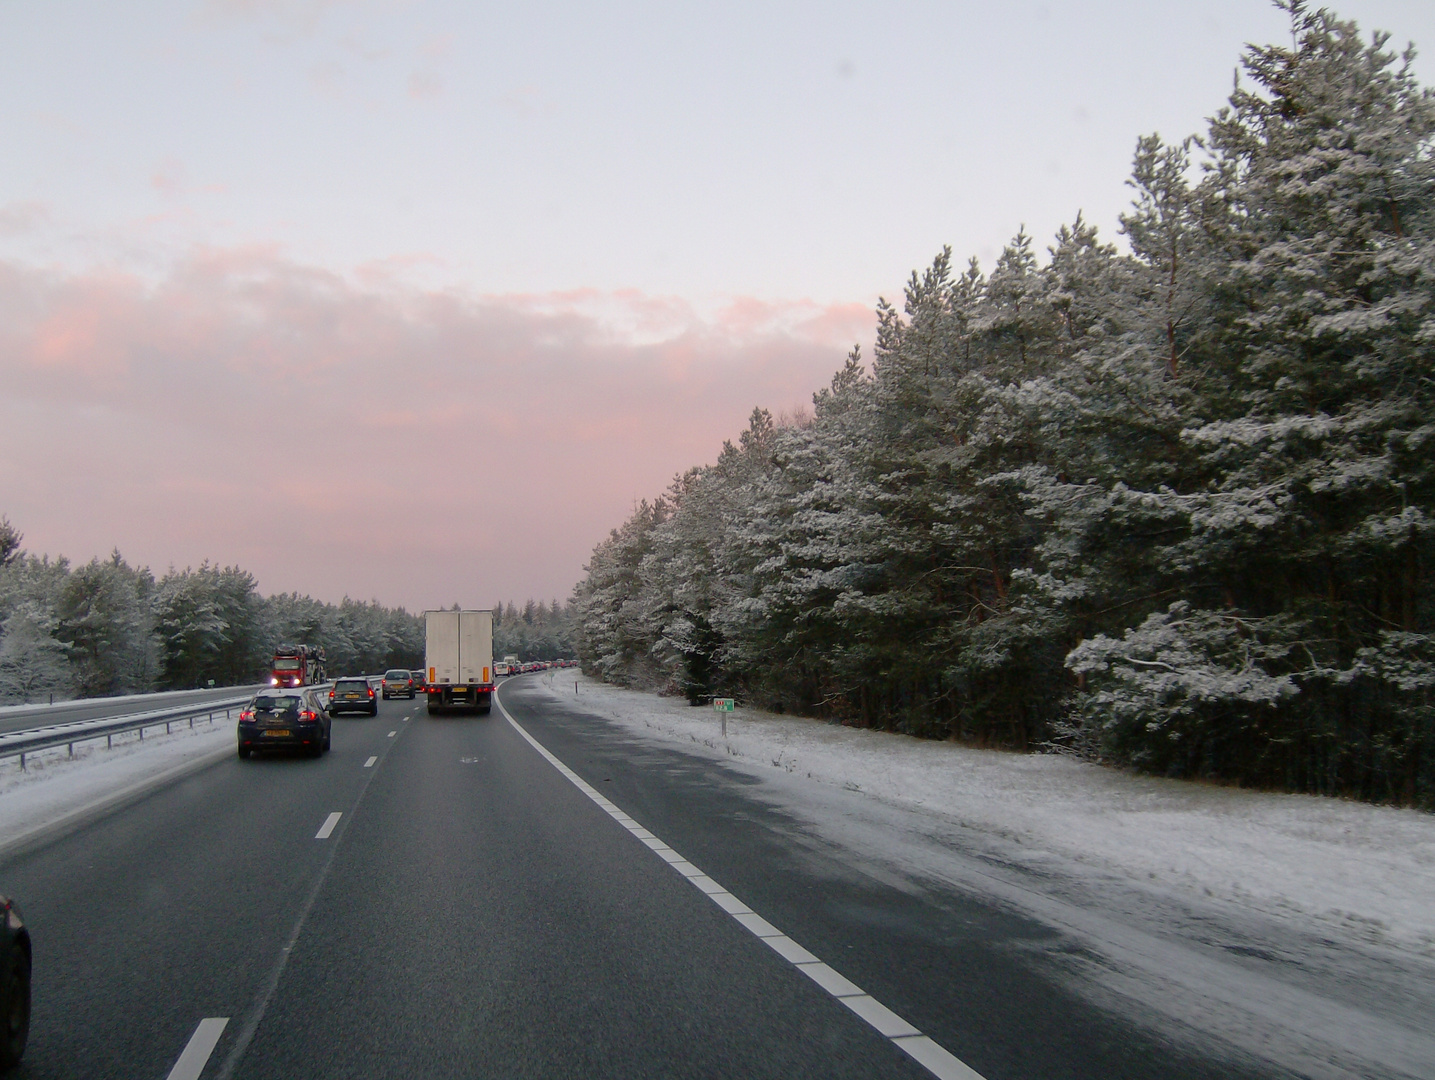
{"type": "Point", "coordinates": [53, 785]}
{"type": "Point", "coordinates": [1366, 870]}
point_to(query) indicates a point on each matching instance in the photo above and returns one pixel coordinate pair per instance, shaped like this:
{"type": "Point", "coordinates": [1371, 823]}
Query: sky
{"type": "Point", "coordinates": [413, 301]}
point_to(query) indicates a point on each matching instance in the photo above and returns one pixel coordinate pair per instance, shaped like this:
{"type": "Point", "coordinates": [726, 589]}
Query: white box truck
{"type": "Point", "coordinates": [458, 659]}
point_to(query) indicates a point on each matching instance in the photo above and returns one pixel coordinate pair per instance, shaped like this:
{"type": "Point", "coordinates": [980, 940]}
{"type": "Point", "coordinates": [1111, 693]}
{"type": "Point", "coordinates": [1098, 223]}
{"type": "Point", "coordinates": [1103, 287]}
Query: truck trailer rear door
{"type": "Point", "coordinates": [475, 657]}
{"type": "Point", "coordinates": [441, 647]}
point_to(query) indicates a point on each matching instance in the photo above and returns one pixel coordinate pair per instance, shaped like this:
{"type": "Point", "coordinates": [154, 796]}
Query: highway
{"type": "Point", "coordinates": [435, 898]}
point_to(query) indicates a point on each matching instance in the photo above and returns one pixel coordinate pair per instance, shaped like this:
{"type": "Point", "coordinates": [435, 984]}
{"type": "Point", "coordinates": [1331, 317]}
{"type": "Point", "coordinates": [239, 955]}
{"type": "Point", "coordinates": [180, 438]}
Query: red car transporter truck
{"type": "Point", "coordinates": [298, 665]}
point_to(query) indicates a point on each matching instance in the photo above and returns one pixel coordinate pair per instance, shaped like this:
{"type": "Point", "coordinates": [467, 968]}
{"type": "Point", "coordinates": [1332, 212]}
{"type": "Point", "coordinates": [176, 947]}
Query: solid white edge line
{"type": "Point", "coordinates": [327, 829]}
{"type": "Point", "coordinates": [370, 763]}
{"type": "Point", "coordinates": [936, 1059]}
{"type": "Point", "coordinates": [195, 1055]}
{"type": "Point", "coordinates": [920, 1048]}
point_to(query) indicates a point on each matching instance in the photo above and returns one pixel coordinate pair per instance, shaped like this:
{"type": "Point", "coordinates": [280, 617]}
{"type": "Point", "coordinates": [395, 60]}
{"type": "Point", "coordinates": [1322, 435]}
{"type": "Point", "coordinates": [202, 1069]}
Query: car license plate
{"type": "Point", "coordinates": [351, 697]}
{"type": "Point", "coordinates": [280, 733]}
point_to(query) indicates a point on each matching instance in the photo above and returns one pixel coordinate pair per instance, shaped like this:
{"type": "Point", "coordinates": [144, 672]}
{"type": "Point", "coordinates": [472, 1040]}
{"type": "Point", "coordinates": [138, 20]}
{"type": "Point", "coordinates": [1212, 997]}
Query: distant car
{"type": "Point", "coordinates": [14, 985]}
{"type": "Point", "coordinates": [500, 669]}
{"type": "Point", "coordinates": [353, 694]}
{"type": "Point", "coordinates": [293, 719]}
{"type": "Point", "coordinates": [418, 677]}
{"type": "Point", "coordinates": [398, 683]}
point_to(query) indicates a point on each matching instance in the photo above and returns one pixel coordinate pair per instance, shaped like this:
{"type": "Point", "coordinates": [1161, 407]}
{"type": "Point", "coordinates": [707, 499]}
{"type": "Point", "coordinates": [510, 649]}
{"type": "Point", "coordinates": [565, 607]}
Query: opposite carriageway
{"type": "Point", "coordinates": [87, 720]}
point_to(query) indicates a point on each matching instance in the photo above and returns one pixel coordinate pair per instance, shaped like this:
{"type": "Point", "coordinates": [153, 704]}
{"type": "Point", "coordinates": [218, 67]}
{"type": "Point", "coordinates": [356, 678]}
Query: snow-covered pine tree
{"type": "Point", "coordinates": [1308, 532]}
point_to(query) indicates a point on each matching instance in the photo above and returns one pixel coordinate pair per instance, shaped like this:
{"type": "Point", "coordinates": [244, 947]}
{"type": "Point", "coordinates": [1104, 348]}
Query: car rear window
{"type": "Point", "coordinates": [277, 703]}
{"type": "Point", "coordinates": [417, 673]}
{"type": "Point", "coordinates": [396, 674]}
{"type": "Point", "coordinates": [351, 684]}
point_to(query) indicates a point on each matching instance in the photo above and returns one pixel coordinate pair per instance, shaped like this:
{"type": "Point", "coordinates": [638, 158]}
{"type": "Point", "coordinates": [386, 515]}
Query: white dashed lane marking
{"type": "Point", "coordinates": [195, 1055]}
{"type": "Point", "coordinates": [326, 830]}
{"type": "Point", "coordinates": [922, 1049]}
{"type": "Point", "coordinates": [393, 733]}
{"type": "Point", "coordinates": [370, 763]}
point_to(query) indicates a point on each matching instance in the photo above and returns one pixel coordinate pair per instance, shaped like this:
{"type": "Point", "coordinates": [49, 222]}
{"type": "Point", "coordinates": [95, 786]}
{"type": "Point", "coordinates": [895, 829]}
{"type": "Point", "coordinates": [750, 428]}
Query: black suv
{"type": "Point", "coordinates": [354, 694]}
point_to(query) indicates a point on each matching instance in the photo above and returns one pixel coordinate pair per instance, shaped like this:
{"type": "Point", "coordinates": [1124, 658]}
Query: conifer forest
{"type": "Point", "coordinates": [1168, 505]}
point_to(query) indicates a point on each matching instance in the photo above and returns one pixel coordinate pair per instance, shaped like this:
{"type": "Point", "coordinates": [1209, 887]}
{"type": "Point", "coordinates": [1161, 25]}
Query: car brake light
{"type": "Point", "coordinates": [331, 695]}
{"type": "Point", "coordinates": [308, 714]}
{"type": "Point", "coordinates": [371, 691]}
{"type": "Point", "coordinates": [247, 714]}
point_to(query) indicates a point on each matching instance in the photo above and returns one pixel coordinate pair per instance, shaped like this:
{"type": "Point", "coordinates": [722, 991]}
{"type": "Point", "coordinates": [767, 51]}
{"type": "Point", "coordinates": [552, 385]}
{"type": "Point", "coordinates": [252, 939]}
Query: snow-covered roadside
{"type": "Point", "coordinates": [1359, 870]}
{"type": "Point", "coordinates": [54, 786]}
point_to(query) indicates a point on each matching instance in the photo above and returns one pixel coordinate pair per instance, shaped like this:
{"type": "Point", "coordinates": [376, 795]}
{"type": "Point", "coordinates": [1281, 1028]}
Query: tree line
{"type": "Point", "coordinates": [110, 628]}
{"type": "Point", "coordinates": [534, 631]}
{"type": "Point", "coordinates": [1170, 508]}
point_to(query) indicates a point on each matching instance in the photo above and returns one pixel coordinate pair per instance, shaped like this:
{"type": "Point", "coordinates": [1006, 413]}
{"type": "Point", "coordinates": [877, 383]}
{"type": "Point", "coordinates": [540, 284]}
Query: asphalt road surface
{"type": "Point", "coordinates": [435, 898]}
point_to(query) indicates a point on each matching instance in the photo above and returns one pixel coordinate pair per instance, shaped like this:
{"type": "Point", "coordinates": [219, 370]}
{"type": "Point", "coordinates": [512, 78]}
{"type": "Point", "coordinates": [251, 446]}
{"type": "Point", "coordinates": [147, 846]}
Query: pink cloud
{"type": "Point", "coordinates": [425, 86]}
{"type": "Point", "coordinates": [22, 217]}
{"type": "Point", "coordinates": [169, 178]}
{"type": "Point", "coordinates": [438, 47]}
{"type": "Point", "coordinates": [177, 418]}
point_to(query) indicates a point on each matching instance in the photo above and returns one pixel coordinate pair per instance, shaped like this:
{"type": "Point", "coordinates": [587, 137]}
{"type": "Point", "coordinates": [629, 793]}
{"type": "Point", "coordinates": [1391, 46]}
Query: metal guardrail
{"type": "Point", "coordinates": [22, 743]}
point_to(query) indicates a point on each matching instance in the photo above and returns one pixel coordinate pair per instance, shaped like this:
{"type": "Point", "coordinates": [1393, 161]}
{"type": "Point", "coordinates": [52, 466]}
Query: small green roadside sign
{"type": "Point", "coordinates": [723, 705]}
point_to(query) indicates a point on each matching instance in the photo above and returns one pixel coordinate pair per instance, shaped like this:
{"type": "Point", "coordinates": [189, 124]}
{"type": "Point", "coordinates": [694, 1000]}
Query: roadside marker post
{"type": "Point", "coordinates": [723, 705]}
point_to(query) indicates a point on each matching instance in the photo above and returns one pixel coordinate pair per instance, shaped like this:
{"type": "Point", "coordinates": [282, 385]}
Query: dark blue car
{"type": "Point", "coordinates": [14, 985]}
{"type": "Point", "coordinates": [284, 719]}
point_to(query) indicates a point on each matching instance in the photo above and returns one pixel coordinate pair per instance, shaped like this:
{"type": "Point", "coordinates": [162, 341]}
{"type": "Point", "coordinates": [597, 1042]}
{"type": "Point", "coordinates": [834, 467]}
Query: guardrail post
{"type": "Point", "coordinates": [22, 761]}
{"type": "Point", "coordinates": [72, 749]}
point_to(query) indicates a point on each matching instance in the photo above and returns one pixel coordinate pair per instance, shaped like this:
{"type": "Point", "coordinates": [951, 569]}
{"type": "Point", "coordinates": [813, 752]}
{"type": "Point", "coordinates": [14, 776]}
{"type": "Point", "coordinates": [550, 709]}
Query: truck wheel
{"type": "Point", "coordinates": [15, 1022]}
{"type": "Point", "coordinates": [485, 710]}
{"type": "Point", "coordinates": [433, 709]}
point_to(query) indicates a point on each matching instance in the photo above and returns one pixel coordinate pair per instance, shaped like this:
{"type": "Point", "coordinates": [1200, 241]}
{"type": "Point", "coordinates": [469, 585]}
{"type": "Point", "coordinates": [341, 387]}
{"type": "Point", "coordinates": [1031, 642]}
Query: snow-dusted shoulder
{"type": "Point", "coordinates": [1346, 864]}
{"type": "Point", "coordinates": [1296, 928]}
{"type": "Point", "coordinates": [1352, 866]}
